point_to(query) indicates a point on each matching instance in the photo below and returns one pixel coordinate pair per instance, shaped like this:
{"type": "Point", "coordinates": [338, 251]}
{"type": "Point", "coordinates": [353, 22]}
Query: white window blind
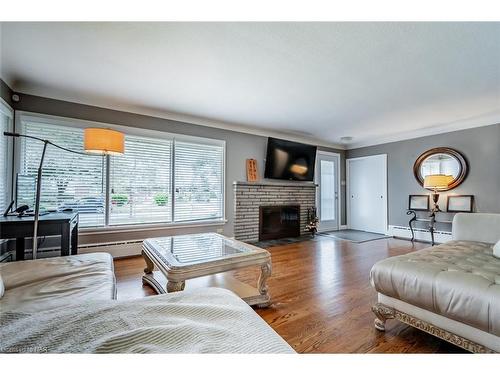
{"type": "Point", "coordinates": [163, 179]}
{"type": "Point", "coordinates": [69, 180]}
{"type": "Point", "coordinates": [5, 158]}
{"type": "Point", "coordinates": [198, 179]}
{"type": "Point", "coordinates": [140, 182]}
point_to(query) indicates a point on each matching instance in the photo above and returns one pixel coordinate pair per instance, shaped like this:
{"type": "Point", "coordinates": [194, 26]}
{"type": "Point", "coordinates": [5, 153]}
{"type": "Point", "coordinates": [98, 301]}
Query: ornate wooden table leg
{"type": "Point", "coordinates": [382, 313]}
{"type": "Point", "coordinates": [175, 286]}
{"type": "Point", "coordinates": [265, 272]}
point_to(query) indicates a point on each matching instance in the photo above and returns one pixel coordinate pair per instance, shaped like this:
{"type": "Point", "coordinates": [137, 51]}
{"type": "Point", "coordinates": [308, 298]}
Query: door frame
{"type": "Point", "coordinates": [337, 176]}
{"type": "Point", "coordinates": [385, 184]}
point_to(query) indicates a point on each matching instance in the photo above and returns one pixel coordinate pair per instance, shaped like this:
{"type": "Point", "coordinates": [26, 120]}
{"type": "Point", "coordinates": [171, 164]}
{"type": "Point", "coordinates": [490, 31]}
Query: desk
{"type": "Point", "coordinates": [64, 224]}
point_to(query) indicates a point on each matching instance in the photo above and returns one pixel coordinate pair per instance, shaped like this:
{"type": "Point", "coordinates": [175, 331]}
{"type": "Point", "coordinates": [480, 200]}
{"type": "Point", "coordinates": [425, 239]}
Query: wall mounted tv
{"type": "Point", "coordinates": [288, 160]}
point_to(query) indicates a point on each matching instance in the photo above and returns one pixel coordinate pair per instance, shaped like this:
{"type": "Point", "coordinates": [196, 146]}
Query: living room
{"type": "Point", "coordinates": [250, 187]}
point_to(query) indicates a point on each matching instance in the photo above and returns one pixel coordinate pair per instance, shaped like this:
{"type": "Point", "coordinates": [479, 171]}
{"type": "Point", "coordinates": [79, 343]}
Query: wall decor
{"type": "Point", "coordinates": [459, 203]}
{"type": "Point", "coordinates": [252, 174]}
{"type": "Point", "coordinates": [418, 202]}
{"type": "Point", "coordinates": [441, 161]}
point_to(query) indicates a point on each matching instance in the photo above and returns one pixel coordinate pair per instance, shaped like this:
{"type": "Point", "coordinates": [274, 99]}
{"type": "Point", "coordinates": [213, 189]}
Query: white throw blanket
{"type": "Point", "coordinates": [209, 320]}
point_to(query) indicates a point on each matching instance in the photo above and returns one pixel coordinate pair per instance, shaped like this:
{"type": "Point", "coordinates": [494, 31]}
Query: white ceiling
{"type": "Point", "coordinates": [376, 82]}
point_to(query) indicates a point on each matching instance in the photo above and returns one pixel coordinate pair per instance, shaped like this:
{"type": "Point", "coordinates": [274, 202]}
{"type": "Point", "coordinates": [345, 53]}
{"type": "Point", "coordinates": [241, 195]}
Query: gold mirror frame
{"type": "Point", "coordinates": [442, 150]}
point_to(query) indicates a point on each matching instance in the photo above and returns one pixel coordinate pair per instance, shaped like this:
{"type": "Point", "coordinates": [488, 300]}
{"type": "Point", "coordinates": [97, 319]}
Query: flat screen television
{"type": "Point", "coordinates": [288, 160]}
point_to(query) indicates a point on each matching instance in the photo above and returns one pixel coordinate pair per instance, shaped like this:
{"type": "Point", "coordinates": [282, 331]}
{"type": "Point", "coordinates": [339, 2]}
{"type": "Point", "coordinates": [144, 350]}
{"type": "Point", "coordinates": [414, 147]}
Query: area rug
{"type": "Point", "coordinates": [356, 236]}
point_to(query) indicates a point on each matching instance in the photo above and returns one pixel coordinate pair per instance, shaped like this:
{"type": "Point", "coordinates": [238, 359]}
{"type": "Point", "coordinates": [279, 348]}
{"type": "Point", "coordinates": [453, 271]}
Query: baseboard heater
{"type": "Point", "coordinates": [422, 235]}
{"type": "Point", "coordinates": [116, 249]}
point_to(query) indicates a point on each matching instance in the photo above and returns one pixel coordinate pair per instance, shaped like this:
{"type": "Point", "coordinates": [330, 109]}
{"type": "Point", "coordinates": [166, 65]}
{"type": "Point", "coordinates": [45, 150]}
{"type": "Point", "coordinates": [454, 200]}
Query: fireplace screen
{"type": "Point", "coordinates": [278, 222]}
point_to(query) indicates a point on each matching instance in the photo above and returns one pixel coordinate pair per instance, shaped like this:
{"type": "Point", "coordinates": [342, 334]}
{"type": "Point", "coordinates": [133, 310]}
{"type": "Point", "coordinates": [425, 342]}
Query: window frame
{"type": "Point", "coordinates": [23, 116]}
{"type": "Point", "coordinates": [7, 110]}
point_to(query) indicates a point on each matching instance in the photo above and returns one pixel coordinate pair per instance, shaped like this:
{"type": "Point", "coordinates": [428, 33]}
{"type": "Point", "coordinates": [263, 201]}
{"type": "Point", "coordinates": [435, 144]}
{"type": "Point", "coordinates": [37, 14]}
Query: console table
{"type": "Point", "coordinates": [431, 222]}
{"type": "Point", "coordinates": [53, 224]}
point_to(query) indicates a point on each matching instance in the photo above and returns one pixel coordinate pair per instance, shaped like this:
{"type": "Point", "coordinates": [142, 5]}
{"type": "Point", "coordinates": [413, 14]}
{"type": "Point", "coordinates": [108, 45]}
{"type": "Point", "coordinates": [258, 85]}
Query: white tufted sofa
{"type": "Point", "coordinates": [451, 291]}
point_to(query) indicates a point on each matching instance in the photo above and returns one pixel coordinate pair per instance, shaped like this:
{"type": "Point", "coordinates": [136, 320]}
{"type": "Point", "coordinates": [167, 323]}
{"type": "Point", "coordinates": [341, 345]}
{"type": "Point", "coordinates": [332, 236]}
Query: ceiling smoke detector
{"type": "Point", "coordinates": [345, 139]}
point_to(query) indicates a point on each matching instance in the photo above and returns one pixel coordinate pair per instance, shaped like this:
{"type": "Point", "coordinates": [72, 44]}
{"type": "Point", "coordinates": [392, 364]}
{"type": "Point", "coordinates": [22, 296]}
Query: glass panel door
{"type": "Point", "coordinates": [327, 175]}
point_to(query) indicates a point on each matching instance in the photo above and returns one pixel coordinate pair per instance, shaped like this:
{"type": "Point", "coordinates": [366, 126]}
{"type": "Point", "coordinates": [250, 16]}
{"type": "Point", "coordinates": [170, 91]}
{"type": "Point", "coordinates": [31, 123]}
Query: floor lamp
{"type": "Point", "coordinates": [97, 141]}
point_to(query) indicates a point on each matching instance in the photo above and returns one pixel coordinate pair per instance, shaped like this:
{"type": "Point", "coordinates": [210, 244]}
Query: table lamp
{"type": "Point", "coordinates": [437, 182]}
{"type": "Point", "coordinates": [96, 141]}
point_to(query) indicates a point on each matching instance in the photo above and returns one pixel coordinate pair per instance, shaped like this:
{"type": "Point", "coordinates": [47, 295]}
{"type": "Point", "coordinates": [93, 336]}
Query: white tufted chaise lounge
{"type": "Point", "coordinates": [451, 291]}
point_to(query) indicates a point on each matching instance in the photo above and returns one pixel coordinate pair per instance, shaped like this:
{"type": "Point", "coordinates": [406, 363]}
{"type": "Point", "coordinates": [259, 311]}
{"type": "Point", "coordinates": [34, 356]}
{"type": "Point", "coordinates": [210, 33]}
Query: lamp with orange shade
{"type": "Point", "coordinates": [103, 141]}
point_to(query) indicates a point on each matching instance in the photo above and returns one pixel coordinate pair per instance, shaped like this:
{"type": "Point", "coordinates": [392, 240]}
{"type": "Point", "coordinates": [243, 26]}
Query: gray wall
{"type": "Point", "coordinates": [481, 148]}
{"type": "Point", "coordinates": [239, 147]}
{"type": "Point", "coordinates": [6, 93]}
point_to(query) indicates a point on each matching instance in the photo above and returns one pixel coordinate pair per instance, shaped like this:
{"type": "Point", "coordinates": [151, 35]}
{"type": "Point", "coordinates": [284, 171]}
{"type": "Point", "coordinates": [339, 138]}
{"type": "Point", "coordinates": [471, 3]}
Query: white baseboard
{"type": "Point", "coordinates": [420, 234]}
{"type": "Point", "coordinates": [343, 227]}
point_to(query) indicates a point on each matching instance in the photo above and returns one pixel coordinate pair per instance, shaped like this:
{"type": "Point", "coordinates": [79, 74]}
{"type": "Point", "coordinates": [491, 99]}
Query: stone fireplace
{"type": "Point", "coordinates": [266, 210]}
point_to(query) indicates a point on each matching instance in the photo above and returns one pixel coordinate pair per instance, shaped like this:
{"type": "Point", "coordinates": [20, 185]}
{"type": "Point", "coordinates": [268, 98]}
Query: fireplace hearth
{"type": "Point", "coordinates": [278, 222]}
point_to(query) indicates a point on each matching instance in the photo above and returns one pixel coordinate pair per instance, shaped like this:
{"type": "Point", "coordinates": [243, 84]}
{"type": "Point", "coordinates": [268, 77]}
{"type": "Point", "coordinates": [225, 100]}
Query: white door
{"type": "Point", "coordinates": [327, 179]}
{"type": "Point", "coordinates": [367, 193]}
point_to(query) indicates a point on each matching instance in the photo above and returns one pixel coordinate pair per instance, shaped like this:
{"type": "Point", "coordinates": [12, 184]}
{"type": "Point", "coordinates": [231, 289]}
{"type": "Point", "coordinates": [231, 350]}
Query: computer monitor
{"type": "Point", "coordinates": [25, 190]}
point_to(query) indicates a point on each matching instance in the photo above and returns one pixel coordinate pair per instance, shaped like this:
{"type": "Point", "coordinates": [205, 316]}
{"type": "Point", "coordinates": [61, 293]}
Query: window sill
{"type": "Point", "coordinates": [144, 227]}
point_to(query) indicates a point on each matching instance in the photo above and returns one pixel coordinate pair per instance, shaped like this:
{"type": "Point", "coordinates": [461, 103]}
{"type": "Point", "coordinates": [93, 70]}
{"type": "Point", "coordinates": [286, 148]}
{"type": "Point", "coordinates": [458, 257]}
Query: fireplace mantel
{"type": "Point", "coordinates": [275, 183]}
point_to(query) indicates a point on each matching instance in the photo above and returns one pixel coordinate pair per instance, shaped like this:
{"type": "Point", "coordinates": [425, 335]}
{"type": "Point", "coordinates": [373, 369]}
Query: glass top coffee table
{"type": "Point", "coordinates": [180, 258]}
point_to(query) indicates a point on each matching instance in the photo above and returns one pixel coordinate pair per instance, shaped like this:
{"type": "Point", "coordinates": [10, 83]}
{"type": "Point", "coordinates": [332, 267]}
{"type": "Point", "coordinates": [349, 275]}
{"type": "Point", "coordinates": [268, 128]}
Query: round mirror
{"type": "Point", "coordinates": [444, 161]}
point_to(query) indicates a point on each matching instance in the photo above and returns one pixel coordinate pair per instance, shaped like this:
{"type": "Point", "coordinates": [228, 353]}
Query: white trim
{"type": "Point", "coordinates": [339, 195]}
{"type": "Point", "coordinates": [343, 227]}
{"type": "Point", "coordinates": [211, 123]}
{"type": "Point", "coordinates": [348, 200]}
{"type": "Point", "coordinates": [8, 111]}
{"type": "Point", "coordinates": [403, 136]}
{"type": "Point", "coordinates": [147, 227]}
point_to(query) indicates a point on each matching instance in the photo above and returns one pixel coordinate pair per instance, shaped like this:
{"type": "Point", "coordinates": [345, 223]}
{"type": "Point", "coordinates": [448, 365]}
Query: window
{"type": "Point", "coordinates": [5, 125]}
{"type": "Point", "coordinates": [198, 181]}
{"type": "Point", "coordinates": [69, 180]}
{"type": "Point", "coordinates": [162, 179]}
{"type": "Point", "coordinates": [327, 191]}
{"type": "Point", "coordinates": [140, 182]}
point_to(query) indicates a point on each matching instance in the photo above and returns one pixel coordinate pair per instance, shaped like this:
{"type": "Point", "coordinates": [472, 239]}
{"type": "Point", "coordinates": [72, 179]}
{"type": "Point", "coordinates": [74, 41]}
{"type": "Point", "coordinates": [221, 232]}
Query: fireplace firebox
{"type": "Point", "coordinates": [278, 222]}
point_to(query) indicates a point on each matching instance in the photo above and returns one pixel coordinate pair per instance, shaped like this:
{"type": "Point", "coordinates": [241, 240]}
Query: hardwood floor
{"type": "Point", "coordinates": [321, 297]}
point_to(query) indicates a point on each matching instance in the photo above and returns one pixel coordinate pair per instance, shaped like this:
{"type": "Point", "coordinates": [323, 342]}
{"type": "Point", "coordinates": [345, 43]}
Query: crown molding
{"type": "Point", "coordinates": [478, 122]}
{"type": "Point", "coordinates": [195, 120]}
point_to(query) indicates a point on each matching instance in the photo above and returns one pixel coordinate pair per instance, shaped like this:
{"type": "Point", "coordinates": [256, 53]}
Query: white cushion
{"type": "Point", "coordinates": [496, 249]}
{"type": "Point", "coordinates": [476, 227]}
{"type": "Point", "coordinates": [44, 284]}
